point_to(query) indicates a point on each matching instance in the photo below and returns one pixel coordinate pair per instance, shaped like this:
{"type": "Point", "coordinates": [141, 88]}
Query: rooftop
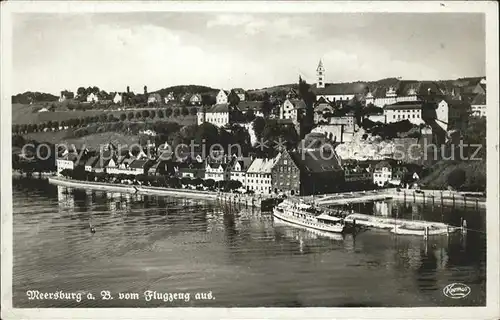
{"type": "Point", "coordinates": [405, 105]}
{"type": "Point", "coordinates": [261, 165]}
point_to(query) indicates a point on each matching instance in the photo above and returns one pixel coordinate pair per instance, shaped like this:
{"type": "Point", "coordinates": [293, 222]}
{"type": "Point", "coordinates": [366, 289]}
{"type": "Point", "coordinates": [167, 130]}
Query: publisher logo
{"type": "Point", "coordinates": [456, 290]}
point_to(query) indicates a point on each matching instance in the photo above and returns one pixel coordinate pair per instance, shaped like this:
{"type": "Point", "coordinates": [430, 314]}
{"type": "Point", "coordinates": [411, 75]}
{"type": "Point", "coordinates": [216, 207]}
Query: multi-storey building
{"type": "Point", "coordinates": [259, 176]}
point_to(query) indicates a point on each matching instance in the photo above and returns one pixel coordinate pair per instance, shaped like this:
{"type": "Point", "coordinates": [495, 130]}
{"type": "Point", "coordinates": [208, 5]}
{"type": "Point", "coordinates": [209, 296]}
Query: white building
{"type": "Point", "coordinates": [239, 169]}
{"type": "Point", "coordinates": [376, 118]}
{"type": "Point", "coordinates": [217, 171]}
{"type": "Point", "coordinates": [92, 97]}
{"type": "Point", "coordinates": [148, 132]}
{"type": "Point", "coordinates": [154, 98]}
{"type": "Point", "coordinates": [121, 166]}
{"type": "Point", "coordinates": [217, 115]}
{"type": "Point", "coordinates": [450, 112]}
{"type": "Point", "coordinates": [66, 162]}
{"type": "Point", "coordinates": [170, 97]}
{"type": "Point", "coordinates": [90, 163]}
{"type": "Point", "coordinates": [290, 109]}
{"type": "Point", "coordinates": [258, 178]}
{"type": "Point", "coordinates": [478, 106]}
{"type": "Point", "coordinates": [195, 99]}
{"type": "Point", "coordinates": [348, 121]}
{"type": "Point", "coordinates": [382, 173]}
{"type": "Point", "coordinates": [117, 98]}
{"type": "Point", "coordinates": [222, 97]}
{"type": "Point", "coordinates": [411, 111]}
{"type": "Point", "coordinates": [240, 93]}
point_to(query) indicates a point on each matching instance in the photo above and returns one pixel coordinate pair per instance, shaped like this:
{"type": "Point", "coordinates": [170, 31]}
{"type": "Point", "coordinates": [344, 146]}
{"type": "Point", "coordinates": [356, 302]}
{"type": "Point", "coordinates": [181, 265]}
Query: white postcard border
{"type": "Point", "coordinates": [490, 312]}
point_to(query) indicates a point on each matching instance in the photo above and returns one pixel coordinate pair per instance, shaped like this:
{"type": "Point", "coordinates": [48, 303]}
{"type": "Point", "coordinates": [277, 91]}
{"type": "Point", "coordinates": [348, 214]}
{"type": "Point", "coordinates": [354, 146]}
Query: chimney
{"type": "Point", "coordinates": [145, 90]}
{"type": "Point", "coordinates": [128, 89]}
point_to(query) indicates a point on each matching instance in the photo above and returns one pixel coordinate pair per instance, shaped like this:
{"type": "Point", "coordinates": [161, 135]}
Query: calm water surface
{"type": "Point", "coordinates": [242, 256]}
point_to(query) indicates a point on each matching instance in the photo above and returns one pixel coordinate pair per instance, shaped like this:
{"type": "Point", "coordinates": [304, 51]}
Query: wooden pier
{"type": "Point", "coordinates": [247, 201]}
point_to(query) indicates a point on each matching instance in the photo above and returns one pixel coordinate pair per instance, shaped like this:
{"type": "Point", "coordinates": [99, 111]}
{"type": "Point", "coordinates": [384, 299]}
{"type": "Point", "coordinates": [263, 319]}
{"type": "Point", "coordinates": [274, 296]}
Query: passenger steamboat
{"type": "Point", "coordinates": [305, 215]}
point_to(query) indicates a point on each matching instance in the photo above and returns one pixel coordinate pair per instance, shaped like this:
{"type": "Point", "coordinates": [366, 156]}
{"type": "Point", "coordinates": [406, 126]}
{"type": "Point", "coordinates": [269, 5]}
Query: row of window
{"type": "Point", "coordinates": [407, 117]}
{"type": "Point", "coordinates": [405, 110]}
{"type": "Point", "coordinates": [382, 175]}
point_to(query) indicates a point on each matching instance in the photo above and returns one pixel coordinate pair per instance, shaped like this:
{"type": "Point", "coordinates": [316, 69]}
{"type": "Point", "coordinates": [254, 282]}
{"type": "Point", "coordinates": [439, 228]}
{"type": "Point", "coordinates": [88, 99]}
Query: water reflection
{"type": "Point", "coordinates": [246, 256]}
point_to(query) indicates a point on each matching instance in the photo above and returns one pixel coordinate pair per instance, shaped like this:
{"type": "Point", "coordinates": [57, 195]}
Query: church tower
{"type": "Point", "coordinates": [320, 73]}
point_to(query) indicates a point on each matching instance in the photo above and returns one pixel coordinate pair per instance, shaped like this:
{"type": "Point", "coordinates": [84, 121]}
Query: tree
{"type": "Point", "coordinates": [130, 116]}
{"type": "Point", "coordinates": [250, 115]}
{"type": "Point", "coordinates": [138, 115]}
{"type": "Point", "coordinates": [168, 112]}
{"type": "Point", "coordinates": [209, 183]}
{"type": "Point", "coordinates": [258, 126]}
{"type": "Point", "coordinates": [234, 184]}
{"type": "Point", "coordinates": [233, 99]}
{"type": "Point", "coordinates": [309, 98]}
{"type": "Point", "coordinates": [176, 112]}
{"type": "Point", "coordinates": [103, 117]}
{"type": "Point", "coordinates": [152, 114]}
{"type": "Point", "coordinates": [266, 106]}
{"type": "Point", "coordinates": [193, 111]}
{"type": "Point", "coordinates": [207, 100]}
{"type": "Point", "coordinates": [184, 111]}
{"type": "Point", "coordinates": [208, 132]}
{"type": "Point", "coordinates": [160, 114]}
{"type": "Point", "coordinates": [81, 92]}
{"type": "Point", "coordinates": [18, 141]}
{"type": "Point", "coordinates": [145, 114]}
{"type": "Point", "coordinates": [123, 117]}
{"type": "Point", "coordinates": [456, 178]}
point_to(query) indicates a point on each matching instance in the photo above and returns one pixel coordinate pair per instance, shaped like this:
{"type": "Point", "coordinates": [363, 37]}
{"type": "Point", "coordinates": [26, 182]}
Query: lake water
{"type": "Point", "coordinates": [236, 257]}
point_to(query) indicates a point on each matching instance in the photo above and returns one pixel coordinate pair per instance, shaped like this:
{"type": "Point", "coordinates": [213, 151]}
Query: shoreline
{"type": "Point", "coordinates": [208, 195]}
{"type": "Point", "coordinates": [431, 197]}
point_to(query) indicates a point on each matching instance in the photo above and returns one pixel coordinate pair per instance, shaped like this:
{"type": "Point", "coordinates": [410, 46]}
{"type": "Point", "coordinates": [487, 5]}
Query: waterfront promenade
{"type": "Point", "coordinates": [433, 197]}
{"type": "Point", "coordinates": [228, 198]}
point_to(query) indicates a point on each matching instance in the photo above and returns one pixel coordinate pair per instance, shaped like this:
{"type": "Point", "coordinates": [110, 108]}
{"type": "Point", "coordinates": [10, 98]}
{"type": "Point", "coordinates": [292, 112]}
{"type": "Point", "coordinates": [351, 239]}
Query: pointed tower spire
{"type": "Point", "coordinates": [320, 65]}
{"type": "Point", "coordinates": [320, 74]}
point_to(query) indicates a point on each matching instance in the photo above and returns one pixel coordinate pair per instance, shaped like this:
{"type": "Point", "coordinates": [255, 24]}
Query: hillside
{"type": "Point", "coordinates": [181, 89]}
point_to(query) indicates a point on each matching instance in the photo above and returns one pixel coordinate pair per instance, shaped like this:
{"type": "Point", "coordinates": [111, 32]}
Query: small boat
{"type": "Point", "coordinates": [419, 230]}
{"type": "Point", "coordinates": [305, 215]}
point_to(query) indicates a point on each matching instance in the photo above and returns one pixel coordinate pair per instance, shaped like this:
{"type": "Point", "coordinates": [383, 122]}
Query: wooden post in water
{"type": "Point", "coordinates": [465, 202]}
{"type": "Point", "coordinates": [424, 198]}
{"type": "Point", "coordinates": [404, 198]}
{"type": "Point", "coordinates": [453, 201]}
{"type": "Point", "coordinates": [432, 200]}
{"type": "Point", "coordinates": [464, 226]}
{"type": "Point", "coordinates": [477, 205]}
{"type": "Point", "coordinates": [414, 199]}
{"type": "Point", "coordinates": [426, 232]}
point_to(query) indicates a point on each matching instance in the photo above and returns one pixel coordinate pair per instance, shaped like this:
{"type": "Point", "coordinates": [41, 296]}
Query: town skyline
{"type": "Point", "coordinates": [251, 51]}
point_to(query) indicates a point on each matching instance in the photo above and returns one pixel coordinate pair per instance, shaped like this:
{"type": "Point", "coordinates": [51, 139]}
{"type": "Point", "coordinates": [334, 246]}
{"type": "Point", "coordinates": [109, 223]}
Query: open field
{"type": "Point", "coordinates": [92, 141]}
{"type": "Point", "coordinates": [23, 114]}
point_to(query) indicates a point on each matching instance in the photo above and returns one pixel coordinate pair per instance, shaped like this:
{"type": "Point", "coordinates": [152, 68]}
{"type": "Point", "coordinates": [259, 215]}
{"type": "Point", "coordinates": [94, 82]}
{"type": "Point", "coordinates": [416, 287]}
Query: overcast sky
{"type": "Point", "coordinates": [52, 52]}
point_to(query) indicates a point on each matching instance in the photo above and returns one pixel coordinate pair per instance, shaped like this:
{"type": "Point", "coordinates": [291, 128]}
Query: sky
{"type": "Point", "coordinates": [54, 52]}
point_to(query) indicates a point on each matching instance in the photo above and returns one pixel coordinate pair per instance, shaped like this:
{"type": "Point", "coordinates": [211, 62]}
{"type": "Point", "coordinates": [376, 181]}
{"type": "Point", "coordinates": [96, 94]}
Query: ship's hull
{"type": "Point", "coordinates": [310, 224]}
